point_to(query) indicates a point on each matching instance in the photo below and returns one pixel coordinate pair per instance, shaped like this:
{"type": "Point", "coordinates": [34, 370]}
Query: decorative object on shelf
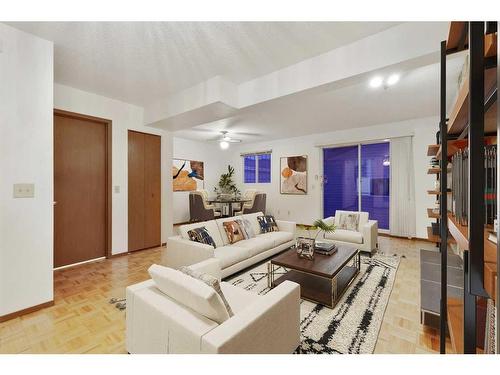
{"type": "Point", "coordinates": [309, 243]}
{"type": "Point", "coordinates": [436, 185]}
{"type": "Point", "coordinates": [227, 187]}
{"type": "Point", "coordinates": [187, 175]}
{"type": "Point", "coordinates": [293, 175]}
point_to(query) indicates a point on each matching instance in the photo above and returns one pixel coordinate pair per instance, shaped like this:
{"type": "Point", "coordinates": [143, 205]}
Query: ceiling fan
{"type": "Point", "coordinates": [225, 140]}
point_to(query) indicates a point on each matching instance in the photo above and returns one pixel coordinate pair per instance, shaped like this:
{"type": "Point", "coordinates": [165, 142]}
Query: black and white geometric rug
{"type": "Point", "coordinates": [352, 326]}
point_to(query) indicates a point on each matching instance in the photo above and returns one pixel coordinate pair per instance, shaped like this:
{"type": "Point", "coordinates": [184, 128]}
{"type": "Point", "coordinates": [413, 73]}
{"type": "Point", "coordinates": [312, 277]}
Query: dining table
{"type": "Point", "coordinates": [229, 202]}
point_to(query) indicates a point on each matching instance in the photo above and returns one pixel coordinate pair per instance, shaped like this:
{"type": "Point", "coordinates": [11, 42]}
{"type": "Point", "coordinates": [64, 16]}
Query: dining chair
{"type": "Point", "coordinates": [197, 209]}
{"type": "Point", "coordinates": [259, 205]}
{"type": "Point", "coordinates": [248, 194]}
{"type": "Point", "coordinates": [208, 205]}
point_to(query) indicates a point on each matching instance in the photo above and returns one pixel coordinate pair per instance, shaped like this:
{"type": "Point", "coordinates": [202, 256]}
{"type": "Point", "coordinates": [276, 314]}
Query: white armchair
{"type": "Point", "coordinates": [157, 323]}
{"type": "Point", "coordinates": [365, 237]}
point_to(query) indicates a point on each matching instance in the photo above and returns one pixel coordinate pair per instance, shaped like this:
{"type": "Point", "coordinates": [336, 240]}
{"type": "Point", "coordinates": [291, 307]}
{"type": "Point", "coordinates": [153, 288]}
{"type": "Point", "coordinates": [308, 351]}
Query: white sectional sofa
{"type": "Point", "coordinates": [181, 251]}
{"type": "Point", "coordinates": [365, 238]}
{"type": "Point", "coordinates": [159, 323]}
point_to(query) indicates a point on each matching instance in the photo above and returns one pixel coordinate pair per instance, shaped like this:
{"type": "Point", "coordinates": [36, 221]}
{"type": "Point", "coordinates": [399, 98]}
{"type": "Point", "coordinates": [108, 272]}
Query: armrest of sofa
{"type": "Point", "coordinates": [211, 266]}
{"type": "Point", "coordinates": [181, 252]}
{"type": "Point", "coordinates": [270, 325]}
{"type": "Point", "coordinates": [287, 226]}
{"type": "Point", "coordinates": [370, 234]}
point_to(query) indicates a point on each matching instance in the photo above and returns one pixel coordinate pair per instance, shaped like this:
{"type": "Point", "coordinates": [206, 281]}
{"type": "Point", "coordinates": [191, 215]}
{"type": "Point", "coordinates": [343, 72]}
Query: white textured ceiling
{"type": "Point", "coordinates": [139, 62]}
{"type": "Point", "coordinates": [358, 105]}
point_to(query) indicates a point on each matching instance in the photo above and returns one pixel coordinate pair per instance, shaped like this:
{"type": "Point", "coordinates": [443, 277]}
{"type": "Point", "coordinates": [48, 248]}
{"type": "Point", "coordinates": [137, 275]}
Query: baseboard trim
{"type": "Point", "coordinates": [403, 238]}
{"type": "Point", "coordinates": [164, 244]}
{"type": "Point", "coordinates": [28, 310]}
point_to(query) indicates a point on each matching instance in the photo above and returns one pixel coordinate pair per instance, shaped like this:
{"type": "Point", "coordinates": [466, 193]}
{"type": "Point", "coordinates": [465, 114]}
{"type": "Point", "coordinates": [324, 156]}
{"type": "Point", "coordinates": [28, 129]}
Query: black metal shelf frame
{"type": "Point", "coordinates": [474, 257]}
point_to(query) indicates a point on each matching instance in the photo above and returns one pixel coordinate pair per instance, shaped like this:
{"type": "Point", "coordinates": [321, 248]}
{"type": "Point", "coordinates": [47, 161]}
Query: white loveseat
{"type": "Point", "coordinates": [157, 323]}
{"type": "Point", "coordinates": [181, 251]}
{"type": "Point", "coordinates": [365, 237]}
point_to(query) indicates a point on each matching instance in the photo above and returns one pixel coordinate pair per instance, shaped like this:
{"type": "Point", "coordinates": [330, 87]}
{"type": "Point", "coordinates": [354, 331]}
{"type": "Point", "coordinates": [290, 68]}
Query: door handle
{"type": "Point", "coordinates": [54, 203]}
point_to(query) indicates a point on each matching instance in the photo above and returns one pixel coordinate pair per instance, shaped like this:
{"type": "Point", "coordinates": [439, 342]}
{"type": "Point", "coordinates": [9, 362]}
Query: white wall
{"type": "Point", "coordinates": [305, 209]}
{"type": "Point", "coordinates": [26, 144]}
{"type": "Point", "coordinates": [215, 162]}
{"type": "Point", "coordinates": [124, 116]}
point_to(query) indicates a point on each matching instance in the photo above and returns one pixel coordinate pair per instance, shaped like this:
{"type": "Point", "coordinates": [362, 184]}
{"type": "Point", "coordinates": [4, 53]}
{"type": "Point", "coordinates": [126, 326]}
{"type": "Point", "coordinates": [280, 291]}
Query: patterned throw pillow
{"type": "Point", "coordinates": [233, 231]}
{"type": "Point", "coordinates": [211, 282]}
{"type": "Point", "coordinates": [246, 228]}
{"type": "Point", "coordinates": [267, 224]}
{"type": "Point", "coordinates": [349, 221]}
{"type": "Point", "coordinates": [201, 235]}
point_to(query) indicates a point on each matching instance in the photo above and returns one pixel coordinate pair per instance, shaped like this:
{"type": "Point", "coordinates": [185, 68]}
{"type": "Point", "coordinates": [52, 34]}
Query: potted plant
{"type": "Point", "coordinates": [227, 187]}
{"type": "Point", "coordinates": [305, 245]}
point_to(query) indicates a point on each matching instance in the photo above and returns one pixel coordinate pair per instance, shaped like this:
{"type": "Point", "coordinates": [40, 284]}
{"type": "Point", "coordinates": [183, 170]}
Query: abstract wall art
{"type": "Point", "coordinates": [187, 175]}
{"type": "Point", "coordinates": [293, 175]}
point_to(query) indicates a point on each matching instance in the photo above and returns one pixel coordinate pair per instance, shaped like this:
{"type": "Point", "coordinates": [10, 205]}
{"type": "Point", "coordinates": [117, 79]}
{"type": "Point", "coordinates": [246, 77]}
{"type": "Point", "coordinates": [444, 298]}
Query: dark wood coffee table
{"type": "Point", "coordinates": [322, 280]}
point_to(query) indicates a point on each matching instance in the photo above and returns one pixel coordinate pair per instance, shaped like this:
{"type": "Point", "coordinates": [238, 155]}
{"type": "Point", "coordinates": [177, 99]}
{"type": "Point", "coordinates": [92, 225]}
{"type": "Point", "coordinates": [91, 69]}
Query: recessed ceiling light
{"type": "Point", "coordinates": [393, 79]}
{"type": "Point", "coordinates": [376, 82]}
{"type": "Point", "coordinates": [224, 145]}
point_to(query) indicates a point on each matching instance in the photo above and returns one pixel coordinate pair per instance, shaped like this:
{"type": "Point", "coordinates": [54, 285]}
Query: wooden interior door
{"type": "Point", "coordinates": [144, 190]}
{"type": "Point", "coordinates": [152, 191]}
{"type": "Point", "coordinates": [80, 189]}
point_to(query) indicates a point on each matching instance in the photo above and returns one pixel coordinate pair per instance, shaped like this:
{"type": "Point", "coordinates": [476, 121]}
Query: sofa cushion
{"type": "Point", "coordinates": [278, 238]}
{"type": "Point", "coordinates": [233, 231]}
{"type": "Point", "coordinates": [247, 228]}
{"type": "Point", "coordinates": [252, 218]}
{"type": "Point", "coordinates": [189, 292]}
{"type": "Point", "coordinates": [212, 282]}
{"type": "Point", "coordinates": [201, 235]}
{"type": "Point", "coordinates": [257, 245]}
{"type": "Point", "coordinates": [362, 218]}
{"type": "Point", "coordinates": [211, 227]}
{"type": "Point", "coordinates": [267, 224]}
{"type": "Point", "coordinates": [229, 255]}
{"type": "Point", "coordinates": [238, 298]}
{"type": "Point", "coordinates": [345, 235]}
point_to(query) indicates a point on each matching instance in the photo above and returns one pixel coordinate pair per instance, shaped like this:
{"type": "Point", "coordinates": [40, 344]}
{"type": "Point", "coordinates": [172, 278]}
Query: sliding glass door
{"type": "Point", "coordinates": [356, 178]}
{"type": "Point", "coordinates": [340, 179]}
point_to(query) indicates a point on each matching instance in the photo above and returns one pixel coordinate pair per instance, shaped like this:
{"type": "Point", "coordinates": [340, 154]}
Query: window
{"type": "Point", "coordinates": [356, 178]}
{"type": "Point", "coordinates": [257, 168]}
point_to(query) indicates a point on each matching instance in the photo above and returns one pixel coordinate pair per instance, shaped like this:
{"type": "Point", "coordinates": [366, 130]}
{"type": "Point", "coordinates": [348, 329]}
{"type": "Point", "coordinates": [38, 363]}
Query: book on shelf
{"type": "Point", "coordinates": [492, 236]}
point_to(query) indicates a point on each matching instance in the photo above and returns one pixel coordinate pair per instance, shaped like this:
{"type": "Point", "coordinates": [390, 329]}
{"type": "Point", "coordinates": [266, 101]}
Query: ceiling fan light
{"type": "Point", "coordinates": [393, 79]}
{"type": "Point", "coordinates": [226, 138]}
{"type": "Point", "coordinates": [376, 82]}
{"type": "Point", "coordinates": [224, 145]}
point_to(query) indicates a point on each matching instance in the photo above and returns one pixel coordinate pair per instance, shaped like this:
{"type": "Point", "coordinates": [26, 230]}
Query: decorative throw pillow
{"type": "Point", "coordinates": [233, 231]}
{"type": "Point", "coordinates": [246, 228]}
{"type": "Point", "coordinates": [267, 224]}
{"type": "Point", "coordinates": [201, 235]}
{"type": "Point", "coordinates": [212, 282]}
{"type": "Point", "coordinates": [349, 221]}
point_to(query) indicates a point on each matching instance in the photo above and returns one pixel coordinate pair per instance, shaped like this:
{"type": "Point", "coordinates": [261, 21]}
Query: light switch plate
{"type": "Point", "coordinates": [24, 190]}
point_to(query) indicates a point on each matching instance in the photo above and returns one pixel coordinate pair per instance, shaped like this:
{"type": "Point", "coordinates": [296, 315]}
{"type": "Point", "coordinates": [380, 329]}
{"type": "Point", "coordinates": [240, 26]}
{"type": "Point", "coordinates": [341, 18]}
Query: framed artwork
{"type": "Point", "coordinates": [187, 175]}
{"type": "Point", "coordinates": [293, 175]}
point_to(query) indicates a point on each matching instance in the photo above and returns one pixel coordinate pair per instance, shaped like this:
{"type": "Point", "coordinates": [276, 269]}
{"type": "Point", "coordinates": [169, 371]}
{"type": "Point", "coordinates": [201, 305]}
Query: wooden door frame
{"type": "Point", "coordinates": [161, 191]}
{"type": "Point", "coordinates": [108, 124]}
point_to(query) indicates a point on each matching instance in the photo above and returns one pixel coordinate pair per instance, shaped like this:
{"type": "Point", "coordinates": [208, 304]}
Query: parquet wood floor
{"type": "Point", "coordinates": [82, 320]}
